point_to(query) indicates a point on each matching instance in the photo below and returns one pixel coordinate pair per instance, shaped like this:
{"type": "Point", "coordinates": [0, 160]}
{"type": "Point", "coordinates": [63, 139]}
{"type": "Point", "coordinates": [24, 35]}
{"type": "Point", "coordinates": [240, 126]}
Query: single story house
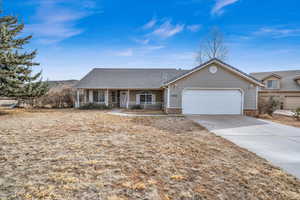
{"type": "Point", "coordinates": [213, 87]}
{"type": "Point", "coordinates": [283, 86]}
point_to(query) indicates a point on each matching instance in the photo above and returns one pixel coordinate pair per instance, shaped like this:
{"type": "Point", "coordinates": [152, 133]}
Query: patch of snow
{"type": "Point", "coordinates": [284, 112]}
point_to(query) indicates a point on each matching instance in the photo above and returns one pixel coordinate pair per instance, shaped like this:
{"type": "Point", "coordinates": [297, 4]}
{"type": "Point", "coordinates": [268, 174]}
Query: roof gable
{"type": "Point", "coordinates": [220, 63]}
{"type": "Point", "coordinates": [282, 74]}
{"type": "Point", "coordinates": [272, 75]}
{"type": "Point", "coordinates": [287, 81]}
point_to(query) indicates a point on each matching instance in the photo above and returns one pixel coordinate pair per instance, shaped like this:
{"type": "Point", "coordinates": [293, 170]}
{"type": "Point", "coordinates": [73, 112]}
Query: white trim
{"type": "Point", "coordinates": [153, 99]}
{"type": "Point", "coordinates": [106, 97]}
{"type": "Point", "coordinates": [256, 105]}
{"type": "Point", "coordinates": [221, 64]}
{"type": "Point", "coordinates": [128, 99]}
{"type": "Point", "coordinates": [85, 100]}
{"type": "Point", "coordinates": [77, 104]}
{"type": "Point", "coordinates": [137, 99]}
{"type": "Point", "coordinates": [168, 97]}
{"type": "Point", "coordinates": [199, 88]}
{"type": "Point", "coordinates": [90, 100]}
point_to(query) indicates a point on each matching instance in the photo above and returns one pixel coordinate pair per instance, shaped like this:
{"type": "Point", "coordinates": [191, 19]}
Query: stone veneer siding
{"type": "Point", "coordinates": [173, 110]}
{"type": "Point", "coordinates": [251, 113]}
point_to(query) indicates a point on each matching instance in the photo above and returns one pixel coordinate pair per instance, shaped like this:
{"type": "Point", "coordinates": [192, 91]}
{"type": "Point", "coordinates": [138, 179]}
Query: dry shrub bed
{"type": "Point", "coordinates": [143, 111]}
{"type": "Point", "coordinates": [92, 155]}
{"type": "Point", "coordinates": [291, 121]}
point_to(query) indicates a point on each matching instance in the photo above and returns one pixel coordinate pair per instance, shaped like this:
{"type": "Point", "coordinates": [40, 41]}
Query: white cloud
{"type": "Point", "coordinates": [184, 56]}
{"type": "Point", "coordinates": [126, 53]}
{"type": "Point", "coordinates": [142, 41]}
{"type": "Point", "coordinates": [89, 4]}
{"type": "Point", "coordinates": [138, 50]}
{"type": "Point", "coordinates": [278, 32]}
{"type": "Point", "coordinates": [167, 29]}
{"type": "Point", "coordinates": [220, 4]}
{"type": "Point", "coordinates": [194, 28]}
{"type": "Point", "coordinates": [150, 24]}
{"type": "Point", "coordinates": [153, 47]}
{"type": "Point", "coordinates": [157, 30]}
{"type": "Point", "coordinates": [54, 21]}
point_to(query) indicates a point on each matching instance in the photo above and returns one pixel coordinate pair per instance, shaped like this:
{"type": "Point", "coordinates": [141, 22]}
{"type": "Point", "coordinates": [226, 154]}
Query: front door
{"type": "Point", "coordinates": [123, 99]}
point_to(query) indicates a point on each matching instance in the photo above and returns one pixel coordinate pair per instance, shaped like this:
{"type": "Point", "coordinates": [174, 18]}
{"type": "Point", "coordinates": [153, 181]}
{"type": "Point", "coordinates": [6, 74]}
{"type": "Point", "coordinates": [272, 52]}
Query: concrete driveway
{"type": "Point", "coordinates": [279, 144]}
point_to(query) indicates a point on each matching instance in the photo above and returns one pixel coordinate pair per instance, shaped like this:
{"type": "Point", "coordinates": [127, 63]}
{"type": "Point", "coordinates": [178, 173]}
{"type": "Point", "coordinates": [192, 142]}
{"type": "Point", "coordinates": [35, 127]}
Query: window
{"type": "Point", "coordinates": [98, 96]}
{"type": "Point", "coordinates": [95, 96]}
{"type": "Point", "coordinates": [87, 95]}
{"type": "Point", "coordinates": [113, 96]}
{"type": "Point", "coordinates": [272, 84]}
{"type": "Point", "coordinates": [146, 98]}
{"type": "Point", "coordinates": [101, 96]}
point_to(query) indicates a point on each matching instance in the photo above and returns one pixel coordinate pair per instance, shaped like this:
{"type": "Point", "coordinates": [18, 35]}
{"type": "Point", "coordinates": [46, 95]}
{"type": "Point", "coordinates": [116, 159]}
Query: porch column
{"type": "Point", "coordinates": [84, 94]}
{"type": "Point", "coordinates": [168, 97]}
{"type": "Point", "coordinates": [128, 99]}
{"type": "Point", "coordinates": [77, 103]}
{"type": "Point", "coordinates": [106, 97]}
{"type": "Point", "coordinates": [90, 96]}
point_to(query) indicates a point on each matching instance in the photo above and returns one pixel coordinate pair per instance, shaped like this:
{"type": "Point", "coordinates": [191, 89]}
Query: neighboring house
{"type": "Point", "coordinates": [7, 102]}
{"type": "Point", "coordinates": [283, 86]}
{"type": "Point", "coordinates": [211, 88]}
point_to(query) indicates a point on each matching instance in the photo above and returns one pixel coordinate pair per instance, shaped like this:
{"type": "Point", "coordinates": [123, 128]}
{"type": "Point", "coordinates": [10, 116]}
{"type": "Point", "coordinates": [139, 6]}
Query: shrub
{"type": "Point", "coordinates": [94, 106]}
{"type": "Point", "coordinates": [267, 106]}
{"type": "Point", "coordinates": [136, 107]}
{"type": "Point", "coordinates": [297, 114]}
{"type": "Point", "coordinates": [60, 98]}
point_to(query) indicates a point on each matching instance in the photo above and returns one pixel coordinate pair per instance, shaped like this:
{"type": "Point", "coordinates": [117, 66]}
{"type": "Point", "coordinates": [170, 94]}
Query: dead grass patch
{"type": "Point", "coordinates": [291, 121]}
{"type": "Point", "coordinates": [70, 154]}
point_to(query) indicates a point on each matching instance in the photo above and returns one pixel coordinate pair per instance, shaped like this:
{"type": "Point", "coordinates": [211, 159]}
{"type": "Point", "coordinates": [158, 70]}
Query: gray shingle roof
{"type": "Point", "coordinates": [101, 78]}
{"type": "Point", "coordinates": [287, 82]}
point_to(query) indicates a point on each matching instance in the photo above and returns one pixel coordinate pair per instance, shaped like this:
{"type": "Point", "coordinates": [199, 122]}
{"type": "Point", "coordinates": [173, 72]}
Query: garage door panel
{"type": "Point", "coordinates": [212, 102]}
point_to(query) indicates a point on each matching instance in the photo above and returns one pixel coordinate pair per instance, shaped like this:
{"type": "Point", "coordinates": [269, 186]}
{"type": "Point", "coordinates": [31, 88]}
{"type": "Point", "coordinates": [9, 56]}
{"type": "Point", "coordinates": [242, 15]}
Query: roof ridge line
{"type": "Point", "coordinates": [138, 68]}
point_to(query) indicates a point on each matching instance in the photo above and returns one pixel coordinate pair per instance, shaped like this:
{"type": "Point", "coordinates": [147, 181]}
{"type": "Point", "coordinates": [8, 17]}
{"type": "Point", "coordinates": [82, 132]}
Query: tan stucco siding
{"type": "Point", "coordinates": [223, 78]}
{"type": "Point", "coordinates": [282, 97]}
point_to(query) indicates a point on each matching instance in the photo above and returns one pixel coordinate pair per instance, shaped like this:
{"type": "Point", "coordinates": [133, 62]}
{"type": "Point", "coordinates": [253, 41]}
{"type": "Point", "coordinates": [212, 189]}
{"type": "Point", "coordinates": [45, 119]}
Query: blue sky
{"type": "Point", "coordinates": [73, 36]}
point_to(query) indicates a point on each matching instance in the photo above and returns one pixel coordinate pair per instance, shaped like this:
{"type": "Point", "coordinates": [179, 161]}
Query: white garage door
{"type": "Point", "coordinates": [212, 102]}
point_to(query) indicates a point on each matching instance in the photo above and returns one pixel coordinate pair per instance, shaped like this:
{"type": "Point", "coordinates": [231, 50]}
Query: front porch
{"type": "Point", "coordinates": [120, 98]}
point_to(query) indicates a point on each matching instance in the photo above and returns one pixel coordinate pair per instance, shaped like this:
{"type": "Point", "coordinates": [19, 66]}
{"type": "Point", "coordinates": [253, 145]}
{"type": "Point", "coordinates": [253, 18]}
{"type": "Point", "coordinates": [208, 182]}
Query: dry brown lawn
{"type": "Point", "coordinates": [291, 121]}
{"type": "Point", "coordinates": [69, 155]}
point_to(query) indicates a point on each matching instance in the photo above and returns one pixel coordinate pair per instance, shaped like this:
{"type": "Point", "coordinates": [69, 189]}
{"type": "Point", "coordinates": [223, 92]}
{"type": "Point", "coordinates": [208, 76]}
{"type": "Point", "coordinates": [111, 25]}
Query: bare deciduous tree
{"type": "Point", "coordinates": [212, 46]}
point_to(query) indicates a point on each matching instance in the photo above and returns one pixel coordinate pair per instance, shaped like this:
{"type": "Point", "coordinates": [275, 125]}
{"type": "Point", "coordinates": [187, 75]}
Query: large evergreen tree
{"type": "Point", "coordinates": [16, 76]}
